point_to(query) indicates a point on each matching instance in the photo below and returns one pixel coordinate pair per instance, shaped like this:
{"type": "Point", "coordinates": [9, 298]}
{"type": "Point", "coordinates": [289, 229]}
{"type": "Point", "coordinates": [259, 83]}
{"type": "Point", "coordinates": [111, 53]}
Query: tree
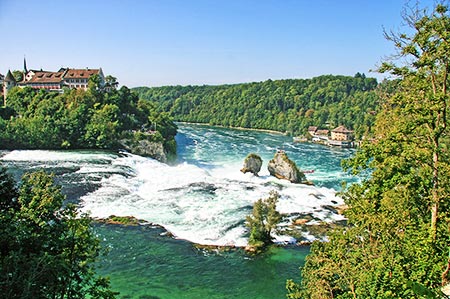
{"type": "Point", "coordinates": [95, 82]}
{"type": "Point", "coordinates": [47, 249]}
{"type": "Point", "coordinates": [18, 75]}
{"type": "Point", "coordinates": [101, 131]}
{"type": "Point", "coordinates": [111, 82]}
{"type": "Point", "coordinates": [283, 105]}
{"type": "Point", "coordinates": [263, 221]}
{"type": "Point", "coordinates": [425, 87]}
{"type": "Point", "coordinates": [8, 203]}
{"type": "Point", "coordinates": [96, 118]}
{"type": "Point", "coordinates": [396, 243]}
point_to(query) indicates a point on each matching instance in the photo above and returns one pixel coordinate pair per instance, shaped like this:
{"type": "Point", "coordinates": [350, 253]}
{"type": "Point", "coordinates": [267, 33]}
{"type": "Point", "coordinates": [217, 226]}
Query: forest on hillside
{"type": "Point", "coordinates": [77, 119]}
{"type": "Point", "coordinates": [289, 106]}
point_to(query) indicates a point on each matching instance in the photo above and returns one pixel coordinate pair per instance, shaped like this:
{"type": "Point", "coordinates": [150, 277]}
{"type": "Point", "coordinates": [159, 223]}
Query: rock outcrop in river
{"type": "Point", "coordinates": [146, 148]}
{"type": "Point", "coordinates": [283, 168]}
{"type": "Point", "coordinates": [252, 163]}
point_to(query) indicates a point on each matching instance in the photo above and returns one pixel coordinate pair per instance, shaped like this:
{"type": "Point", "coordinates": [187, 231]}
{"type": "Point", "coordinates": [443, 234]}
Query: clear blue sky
{"type": "Point", "coordinates": [171, 42]}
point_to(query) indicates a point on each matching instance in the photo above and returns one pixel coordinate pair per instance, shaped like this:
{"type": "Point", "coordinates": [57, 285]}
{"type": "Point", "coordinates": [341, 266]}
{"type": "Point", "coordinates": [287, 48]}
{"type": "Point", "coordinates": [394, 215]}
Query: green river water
{"type": "Point", "coordinates": [204, 199]}
{"type": "Point", "coordinates": [161, 267]}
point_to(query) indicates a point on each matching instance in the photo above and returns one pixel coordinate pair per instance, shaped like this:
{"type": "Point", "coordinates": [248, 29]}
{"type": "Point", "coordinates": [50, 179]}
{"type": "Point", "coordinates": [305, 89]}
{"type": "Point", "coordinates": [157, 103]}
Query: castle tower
{"type": "Point", "coordinates": [8, 83]}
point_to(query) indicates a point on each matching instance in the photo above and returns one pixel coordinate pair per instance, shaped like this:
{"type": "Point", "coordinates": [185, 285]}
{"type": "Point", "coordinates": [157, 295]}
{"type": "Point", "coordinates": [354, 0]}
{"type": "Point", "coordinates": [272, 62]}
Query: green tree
{"type": "Point", "coordinates": [277, 105]}
{"type": "Point", "coordinates": [101, 131]}
{"type": "Point", "coordinates": [95, 82]}
{"type": "Point", "coordinates": [47, 249]}
{"type": "Point", "coordinates": [396, 244]}
{"type": "Point", "coordinates": [425, 91]}
{"type": "Point", "coordinates": [96, 118]}
{"type": "Point", "coordinates": [111, 82]}
{"type": "Point", "coordinates": [19, 99]}
{"type": "Point", "coordinates": [18, 75]}
{"type": "Point", "coordinates": [263, 221]}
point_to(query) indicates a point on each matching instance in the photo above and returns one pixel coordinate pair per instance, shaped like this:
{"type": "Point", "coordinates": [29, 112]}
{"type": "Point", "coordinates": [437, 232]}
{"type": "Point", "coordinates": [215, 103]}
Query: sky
{"type": "Point", "coordinates": [197, 42]}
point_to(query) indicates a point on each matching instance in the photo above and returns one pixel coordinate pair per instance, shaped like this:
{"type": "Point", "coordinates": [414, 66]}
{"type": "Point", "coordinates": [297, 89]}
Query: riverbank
{"type": "Point", "coordinates": [236, 128]}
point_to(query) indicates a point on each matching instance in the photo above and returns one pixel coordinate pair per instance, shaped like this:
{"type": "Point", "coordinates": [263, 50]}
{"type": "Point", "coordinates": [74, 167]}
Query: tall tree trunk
{"type": "Point", "coordinates": [435, 192]}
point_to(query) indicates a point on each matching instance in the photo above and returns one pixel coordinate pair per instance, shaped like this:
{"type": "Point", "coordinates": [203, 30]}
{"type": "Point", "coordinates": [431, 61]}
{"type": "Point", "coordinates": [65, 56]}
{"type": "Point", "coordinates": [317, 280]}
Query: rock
{"type": "Point", "coordinates": [215, 248]}
{"type": "Point", "coordinates": [300, 221]}
{"type": "Point", "coordinates": [446, 289]}
{"type": "Point", "coordinates": [341, 209]}
{"type": "Point", "coordinates": [252, 164]}
{"type": "Point", "coordinates": [122, 220]}
{"type": "Point", "coordinates": [146, 148]}
{"type": "Point", "coordinates": [304, 243]}
{"type": "Point", "coordinates": [283, 168]}
{"type": "Point", "coordinates": [251, 249]}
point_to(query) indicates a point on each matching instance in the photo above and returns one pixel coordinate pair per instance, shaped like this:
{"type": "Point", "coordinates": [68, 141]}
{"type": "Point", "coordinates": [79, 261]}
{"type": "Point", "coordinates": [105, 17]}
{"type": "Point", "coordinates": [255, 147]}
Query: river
{"type": "Point", "coordinates": [203, 199]}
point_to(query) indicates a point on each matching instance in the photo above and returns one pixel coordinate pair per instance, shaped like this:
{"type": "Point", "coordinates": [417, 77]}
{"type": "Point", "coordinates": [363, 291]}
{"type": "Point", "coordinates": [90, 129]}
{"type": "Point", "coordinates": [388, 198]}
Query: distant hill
{"type": "Point", "coordinates": [283, 105]}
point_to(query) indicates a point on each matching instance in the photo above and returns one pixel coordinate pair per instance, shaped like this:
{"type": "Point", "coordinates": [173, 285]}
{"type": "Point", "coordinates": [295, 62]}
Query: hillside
{"type": "Point", "coordinates": [91, 119]}
{"type": "Point", "coordinates": [283, 105]}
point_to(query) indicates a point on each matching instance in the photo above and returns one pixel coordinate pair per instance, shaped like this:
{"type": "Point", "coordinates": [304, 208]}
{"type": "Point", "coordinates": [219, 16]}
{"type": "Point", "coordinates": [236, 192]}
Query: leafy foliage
{"type": "Point", "coordinates": [263, 221]}
{"type": "Point", "coordinates": [283, 105]}
{"type": "Point", "coordinates": [397, 241]}
{"type": "Point", "coordinates": [18, 75]}
{"type": "Point", "coordinates": [96, 118]}
{"type": "Point", "coordinates": [47, 249]}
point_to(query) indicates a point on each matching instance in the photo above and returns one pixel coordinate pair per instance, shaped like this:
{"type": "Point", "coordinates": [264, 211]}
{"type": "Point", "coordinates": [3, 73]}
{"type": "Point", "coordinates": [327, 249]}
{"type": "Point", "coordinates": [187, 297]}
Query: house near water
{"type": "Point", "coordinates": [340, 136]}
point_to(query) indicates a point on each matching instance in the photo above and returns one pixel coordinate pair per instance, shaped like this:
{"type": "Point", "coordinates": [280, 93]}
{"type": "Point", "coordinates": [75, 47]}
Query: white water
{"type": "Point", "coordinates": [205, 201]}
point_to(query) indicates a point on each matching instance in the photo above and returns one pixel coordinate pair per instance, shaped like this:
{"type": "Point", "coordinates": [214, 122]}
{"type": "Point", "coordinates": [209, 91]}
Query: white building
{"type": "Point", "coordinates": [65, 77]}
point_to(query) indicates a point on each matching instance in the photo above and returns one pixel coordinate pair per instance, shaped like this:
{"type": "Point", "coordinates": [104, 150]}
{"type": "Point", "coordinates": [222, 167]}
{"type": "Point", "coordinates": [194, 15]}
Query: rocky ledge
{"type": "Point", "coordinates": [146, 148]}
{"type": "Point", "coordinates": [121, 220]}
{"type": "Point", "coordinates": [283, 168]}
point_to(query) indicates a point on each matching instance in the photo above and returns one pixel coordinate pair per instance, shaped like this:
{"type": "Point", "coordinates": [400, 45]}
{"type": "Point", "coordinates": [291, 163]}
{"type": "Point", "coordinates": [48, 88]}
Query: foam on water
{"type": "Point", "coordinates": [54, 156]}
{"type": "Point", "coordinates": [204, 198]}
{"type": "Point", "coordinates": [206, 206]}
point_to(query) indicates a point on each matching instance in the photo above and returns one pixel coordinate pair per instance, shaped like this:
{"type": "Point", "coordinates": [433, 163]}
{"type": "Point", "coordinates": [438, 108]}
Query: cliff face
{"type": "Point", "coordinates": [283, 168]}
{"type": "Point", "coordinates": [146, 148]}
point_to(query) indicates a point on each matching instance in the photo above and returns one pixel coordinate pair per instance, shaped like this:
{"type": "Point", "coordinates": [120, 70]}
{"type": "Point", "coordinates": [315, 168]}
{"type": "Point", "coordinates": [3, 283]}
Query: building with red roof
{"type": "Point", "coordinates": [65, 77]}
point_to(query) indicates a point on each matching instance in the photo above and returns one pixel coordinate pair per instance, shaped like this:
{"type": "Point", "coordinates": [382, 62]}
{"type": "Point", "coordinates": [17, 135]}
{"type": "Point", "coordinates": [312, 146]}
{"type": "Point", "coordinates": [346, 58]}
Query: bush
{"type": "Point", "coordinates": [263, 221]}
{"type": "Point", "coordinates": [47, 250]}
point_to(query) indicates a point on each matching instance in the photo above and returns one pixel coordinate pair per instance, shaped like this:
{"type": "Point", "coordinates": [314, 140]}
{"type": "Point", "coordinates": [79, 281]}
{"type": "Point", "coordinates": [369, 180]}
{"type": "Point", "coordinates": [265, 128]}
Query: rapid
{"type": "Point", "coordinates": [203, 198]}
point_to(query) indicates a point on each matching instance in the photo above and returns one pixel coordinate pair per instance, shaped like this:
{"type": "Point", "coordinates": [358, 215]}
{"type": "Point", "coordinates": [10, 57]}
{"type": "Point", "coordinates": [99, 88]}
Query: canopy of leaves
{"type": "Point", "coordinates": [47, 250]}
{"type": "Point", "coordinates": [78, 119]}
{"type": "Point", "coordinates": [397, 241]}
{"type": "Point", "coordinates": [283, 105]}
{"type": "Point", "coordinates": [263, 221]}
